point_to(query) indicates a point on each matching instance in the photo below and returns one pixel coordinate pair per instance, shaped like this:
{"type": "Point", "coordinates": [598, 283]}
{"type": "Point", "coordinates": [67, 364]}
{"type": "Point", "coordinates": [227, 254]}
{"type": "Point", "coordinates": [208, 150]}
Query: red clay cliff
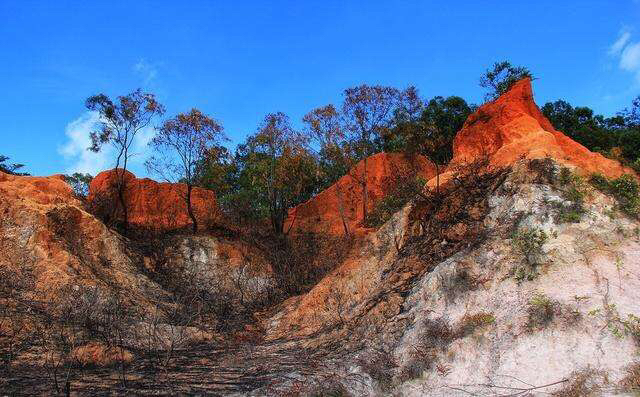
{"type": "Point", "coordinates": [325, 212]}
{"type": "Point", "coordinates": [155, 205]}
{"type": "Point", "coordinates": [513, 127]}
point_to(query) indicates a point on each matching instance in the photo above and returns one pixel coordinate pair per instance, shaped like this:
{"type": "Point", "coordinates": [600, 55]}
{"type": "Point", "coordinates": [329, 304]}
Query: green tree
{"type": "Point", "coordinates": [501, 77]}
{"type": "Point", "coordinates": [181, 143]}
{"type": "Point", "coordinates": [120, 122]}
{"type": "Point", "coordinates": [275, 170]}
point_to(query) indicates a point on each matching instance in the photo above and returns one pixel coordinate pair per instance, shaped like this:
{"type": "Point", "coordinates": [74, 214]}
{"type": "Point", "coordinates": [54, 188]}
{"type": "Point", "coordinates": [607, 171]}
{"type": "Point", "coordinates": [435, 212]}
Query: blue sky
{"type": "Point", "coordinates": [237, 61]}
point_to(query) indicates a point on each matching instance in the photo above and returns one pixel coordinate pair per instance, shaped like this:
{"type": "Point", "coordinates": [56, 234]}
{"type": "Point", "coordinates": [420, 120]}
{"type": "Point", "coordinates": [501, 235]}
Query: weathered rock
{"type": "Point", "coordinates": [45, 231]}
{"type": "Point", "coordinates": [512, 127]}
{"type": "Point", "coordinates": [343, 200]}
{"type": "Point", "coordinates": [154, 205]}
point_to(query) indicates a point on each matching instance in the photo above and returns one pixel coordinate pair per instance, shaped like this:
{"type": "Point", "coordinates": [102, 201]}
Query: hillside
{"type": "Point", "coordinates": [520, 274]}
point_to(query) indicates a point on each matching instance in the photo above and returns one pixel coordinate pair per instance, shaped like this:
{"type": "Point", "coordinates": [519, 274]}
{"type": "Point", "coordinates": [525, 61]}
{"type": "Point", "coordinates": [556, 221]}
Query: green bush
{"type": "Point", "coordinates": [624, 189]}
{"type": "Point", "coordinates": [636, 165]}
{"type": "Point", "coordinates": [529, 242]}
{"type": "Point", "coordinates": [573, 189]}
{"type": "Point", "coordinates": [600, 182]}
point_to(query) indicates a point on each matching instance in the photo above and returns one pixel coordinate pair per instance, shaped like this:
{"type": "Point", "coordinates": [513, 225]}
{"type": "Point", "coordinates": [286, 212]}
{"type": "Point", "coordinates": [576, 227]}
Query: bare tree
{"type": "Point", "coordinates": [367, 112]}
{"type": "Point", "coordinates": [120, 122]}
{"type": "Point", "coordinates": [182, 142]}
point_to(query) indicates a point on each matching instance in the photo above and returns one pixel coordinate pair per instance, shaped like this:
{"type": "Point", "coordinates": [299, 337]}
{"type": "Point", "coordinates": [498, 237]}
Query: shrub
{"type": "Point", "coordinates": [540, 311]}
{"type": "Point", "coordinates": [631, 382]}
{"type": "Point", "coordinates": [404, 190]}
{"type": "Point", "coordinates": [624, 189]}
{"type": "Point", "coordinates": [528, 242]}
{"type": "Point", "coordinates": [600, 182]}
{"type": "Point", "coordinates": [581, 384]}
{"type": "Point", "coordinates": [573, 190]}
{"type": "Point", "coordinates": [636, 165]}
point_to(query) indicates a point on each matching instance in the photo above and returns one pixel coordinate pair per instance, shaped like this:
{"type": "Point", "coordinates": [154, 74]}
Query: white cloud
{"type": "Point", "coordinates": [627, 53]}
{"type": "Point", "coordinates": [630, 57]}
{"type": "Point", "coordinates": [620, 43]}
{"type": "Point", "coordinates": [146, 70]}
{"type": "Point", "coordinates": [75, 149]}
{"type": "Point", "coordinates": [80, 159]}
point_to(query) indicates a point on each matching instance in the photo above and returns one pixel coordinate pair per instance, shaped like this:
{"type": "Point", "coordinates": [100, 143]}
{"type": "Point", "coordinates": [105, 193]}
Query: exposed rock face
{"type": "Point", "coordinates": [343, 200]}
{"type": "Point", "coordinates": [45, 231]}
{"type": "Point", "coordinates": [466, 323]}
{"type": "Point", "coordinates": [512, 127]}
{"type": "Point", "coordinates": [154, 205]}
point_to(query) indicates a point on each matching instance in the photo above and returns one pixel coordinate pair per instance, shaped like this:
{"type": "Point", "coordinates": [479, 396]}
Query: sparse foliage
{"type": "Point", "coordinates": [120, 122]}
{"type": "Point", "coordinates": [182, 143]}
{"type": "Point", "coordinates": [11, 169]}
{"type": "Point", "coordinates": [79, 183]}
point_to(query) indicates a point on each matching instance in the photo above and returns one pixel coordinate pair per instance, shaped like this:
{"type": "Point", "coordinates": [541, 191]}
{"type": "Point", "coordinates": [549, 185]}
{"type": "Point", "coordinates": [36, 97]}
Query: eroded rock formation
{"type": "Point", "coordinates": [155, 205]}
{"type": "Point", "coordinates": [340, 206]}
{"type": "Point", "coordinates": [513, 127]}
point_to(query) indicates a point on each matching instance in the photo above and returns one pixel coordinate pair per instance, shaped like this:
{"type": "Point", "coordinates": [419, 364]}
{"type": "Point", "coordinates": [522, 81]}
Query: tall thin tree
{"type": "Point", "coordinates": [367, 111]}
{"type": "Point", "coordinates": [120, 122]}
{"type": "Point", "coordinates": [181, 144]}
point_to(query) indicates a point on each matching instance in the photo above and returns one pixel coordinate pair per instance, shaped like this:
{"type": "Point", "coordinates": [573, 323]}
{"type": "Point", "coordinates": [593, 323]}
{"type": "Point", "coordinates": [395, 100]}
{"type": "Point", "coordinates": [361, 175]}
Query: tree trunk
{"type": "Point", "coordinates": [121, 189]}
{"type": "Point", "coordinates": [190, 209]}
{"type": "Point", "coordinates": [364, 192]}
{"type": "Point", "coordinates": [341, 208]}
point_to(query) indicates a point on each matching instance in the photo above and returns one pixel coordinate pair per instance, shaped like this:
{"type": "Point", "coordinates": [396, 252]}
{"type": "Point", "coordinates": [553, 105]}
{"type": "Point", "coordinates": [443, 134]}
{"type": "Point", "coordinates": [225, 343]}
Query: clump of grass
{"type": "Point", "coordinates": [624, 189]}
{"type": "Point", "coordinates": [472, 322]}
{"type": "Point", "coordinates": [540, 311]}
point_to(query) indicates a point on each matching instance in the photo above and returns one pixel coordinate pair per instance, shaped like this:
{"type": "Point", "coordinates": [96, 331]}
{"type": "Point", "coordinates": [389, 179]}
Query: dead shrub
{"type": "Point", "coordinates": [96, 354]}
{"type": "Point", "coordinates": [583, 383]}
{"type": "Point", "coordinates": [631, 382]}
{"type": "Point", "coordinates": [380, 365]}
{"type": "Point", "coordinates": [451, 219]}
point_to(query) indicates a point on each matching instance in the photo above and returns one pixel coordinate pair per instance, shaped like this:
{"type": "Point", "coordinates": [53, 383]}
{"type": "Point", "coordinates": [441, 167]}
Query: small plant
{"type": "Point", "coordinates": [626, 191]}
{"type": "Point", "coordinates": [541, 311]}
{"type": "Point", "coordinates": [600, 182]}
{"type": "Point", "coordinates": [472, 322]}
{"type": "Point", "coordinates": [528, 242]}
{"type": "Point", "coordinates": [636, 165]}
